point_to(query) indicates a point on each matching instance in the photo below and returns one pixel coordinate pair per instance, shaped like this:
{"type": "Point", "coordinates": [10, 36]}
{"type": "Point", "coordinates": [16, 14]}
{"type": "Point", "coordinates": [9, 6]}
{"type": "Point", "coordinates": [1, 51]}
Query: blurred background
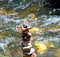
{"type": "Point", "coordinates": [44, 18]}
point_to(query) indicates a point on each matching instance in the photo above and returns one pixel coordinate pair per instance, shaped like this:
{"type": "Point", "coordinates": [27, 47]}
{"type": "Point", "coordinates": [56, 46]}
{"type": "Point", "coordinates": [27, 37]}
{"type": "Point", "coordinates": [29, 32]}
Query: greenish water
{"type": "Point", "coordinates": [48, 34]}
{"type": "Point", "coordinates": [9, 27]}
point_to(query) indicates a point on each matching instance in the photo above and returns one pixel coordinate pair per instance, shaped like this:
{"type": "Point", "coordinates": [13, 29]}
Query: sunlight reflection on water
{"type": "Point", "coordinates": [44, 36]}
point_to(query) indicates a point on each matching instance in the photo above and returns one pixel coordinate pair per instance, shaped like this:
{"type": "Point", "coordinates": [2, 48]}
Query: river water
{"type": "Point", "coordinates": [45, 31]}
{"type": "Point", "coordinates": [49, 32]}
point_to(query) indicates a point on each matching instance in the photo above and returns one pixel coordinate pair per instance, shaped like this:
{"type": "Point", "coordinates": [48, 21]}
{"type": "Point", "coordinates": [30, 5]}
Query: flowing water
{"type": "Point", "coordinates": [45, 32]}
{"type": "Point", "coordinates": [49, 32]}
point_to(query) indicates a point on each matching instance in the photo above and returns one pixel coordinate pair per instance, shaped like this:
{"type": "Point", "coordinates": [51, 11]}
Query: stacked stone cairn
{"type": "Point", "coordinates": [27, 48]}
